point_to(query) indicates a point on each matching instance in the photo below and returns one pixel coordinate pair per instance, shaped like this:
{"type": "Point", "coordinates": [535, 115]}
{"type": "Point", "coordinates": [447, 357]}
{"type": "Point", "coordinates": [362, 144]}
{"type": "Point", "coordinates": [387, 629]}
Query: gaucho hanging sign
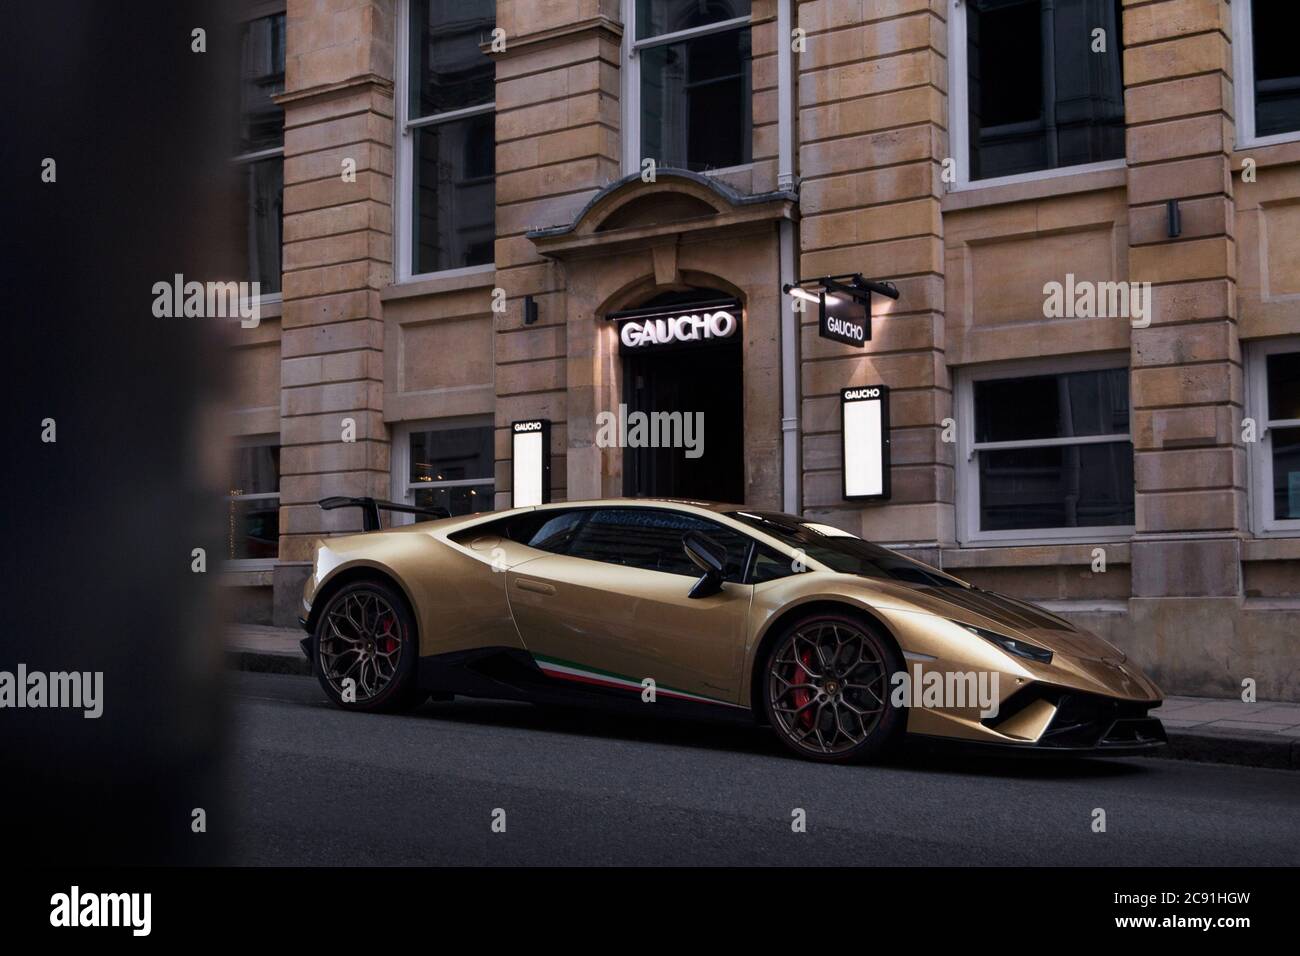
{"type": "Point", "coordinates": [677, 326]}
{"type": "Point", "coordinates": [843, 319]}
{"type": "Point", "coordinates": [843, 305]}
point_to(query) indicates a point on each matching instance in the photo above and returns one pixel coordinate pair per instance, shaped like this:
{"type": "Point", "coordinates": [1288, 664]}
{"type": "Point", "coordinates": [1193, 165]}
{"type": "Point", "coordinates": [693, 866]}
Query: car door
{"type": "Point", "coordinates": [614, 609]}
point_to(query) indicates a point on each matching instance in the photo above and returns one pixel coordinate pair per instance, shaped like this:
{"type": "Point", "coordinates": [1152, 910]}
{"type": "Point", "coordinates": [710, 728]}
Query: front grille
{"type": "Point", "coordinates": [1085, 721]}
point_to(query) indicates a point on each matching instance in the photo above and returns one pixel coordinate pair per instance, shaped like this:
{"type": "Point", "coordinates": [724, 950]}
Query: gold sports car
{"type": "Point", "coordinates": [700, 609]}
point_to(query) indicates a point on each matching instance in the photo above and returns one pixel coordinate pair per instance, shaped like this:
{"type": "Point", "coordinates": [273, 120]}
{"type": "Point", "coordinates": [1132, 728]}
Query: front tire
{"type": "Point", "coordinates": [365, 649]}
{"type": "Point", "coordinates": [826, 689]}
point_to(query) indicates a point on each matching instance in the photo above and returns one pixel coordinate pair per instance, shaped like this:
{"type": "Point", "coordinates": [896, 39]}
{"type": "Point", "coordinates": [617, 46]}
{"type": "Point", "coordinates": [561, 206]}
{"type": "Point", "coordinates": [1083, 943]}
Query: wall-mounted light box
{"type": "Point", "coordinates": [530, 453]}
{"type": "Point", "coordinates": [844, 318]}
{"type": "Point", "coordinates": [864, 433]}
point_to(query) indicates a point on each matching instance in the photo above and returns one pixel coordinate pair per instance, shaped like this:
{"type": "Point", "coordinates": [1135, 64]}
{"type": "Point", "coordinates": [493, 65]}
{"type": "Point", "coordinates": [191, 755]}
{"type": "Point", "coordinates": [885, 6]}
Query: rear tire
{"type": "Point", "coordinates": [365, 649]}
{"type": "Point", "coordinates": [826, 689]}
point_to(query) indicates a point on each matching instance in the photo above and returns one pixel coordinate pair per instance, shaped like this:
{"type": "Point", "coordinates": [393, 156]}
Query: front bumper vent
{"type": "Point", "coordinates": [1087, 721]}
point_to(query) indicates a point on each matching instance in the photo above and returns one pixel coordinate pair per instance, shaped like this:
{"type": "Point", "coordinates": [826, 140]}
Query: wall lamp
{"type": "Point", "coordinates": [799, 293]}
{"type": "Point", "coordinates": [851, 284]}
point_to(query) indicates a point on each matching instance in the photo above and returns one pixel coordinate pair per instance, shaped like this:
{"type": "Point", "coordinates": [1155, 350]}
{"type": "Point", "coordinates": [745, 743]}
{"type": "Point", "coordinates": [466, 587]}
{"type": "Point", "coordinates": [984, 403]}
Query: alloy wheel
{"type": "Point", "coordinates": [362, 638]}
{"type": "Point", "coordinates": [827, 686]}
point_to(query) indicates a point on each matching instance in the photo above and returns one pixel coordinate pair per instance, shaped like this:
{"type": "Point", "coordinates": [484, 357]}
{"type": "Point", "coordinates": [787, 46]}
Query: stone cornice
{"type": "Point", "coordinates": [592, 26]}
{"type": "Point", "coordinates": [323, 90]}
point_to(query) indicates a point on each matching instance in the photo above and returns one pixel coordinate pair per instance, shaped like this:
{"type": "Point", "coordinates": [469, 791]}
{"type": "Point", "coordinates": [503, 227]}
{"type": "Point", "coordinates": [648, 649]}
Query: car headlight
{"type": "Point", "coordinates": [1011, 645]}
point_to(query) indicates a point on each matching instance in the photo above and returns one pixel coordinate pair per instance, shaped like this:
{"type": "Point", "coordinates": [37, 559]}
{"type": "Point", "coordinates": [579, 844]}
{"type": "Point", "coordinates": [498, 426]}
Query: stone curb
{"type": "Point", "coordinates": [1243, 749]}
{"type": "Point", "coordinates": [267, 662]}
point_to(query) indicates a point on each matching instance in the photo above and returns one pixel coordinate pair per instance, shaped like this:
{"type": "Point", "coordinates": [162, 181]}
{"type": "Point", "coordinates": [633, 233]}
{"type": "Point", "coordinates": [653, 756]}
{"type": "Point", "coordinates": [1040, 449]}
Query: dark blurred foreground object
{"type": "Point", "coordinates": [101, 524]}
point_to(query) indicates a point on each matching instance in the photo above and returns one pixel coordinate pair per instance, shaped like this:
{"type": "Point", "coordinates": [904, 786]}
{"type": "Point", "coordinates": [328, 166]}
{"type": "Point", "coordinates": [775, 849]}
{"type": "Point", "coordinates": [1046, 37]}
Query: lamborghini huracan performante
{"type": "Point", "coordinates": [708, 610]}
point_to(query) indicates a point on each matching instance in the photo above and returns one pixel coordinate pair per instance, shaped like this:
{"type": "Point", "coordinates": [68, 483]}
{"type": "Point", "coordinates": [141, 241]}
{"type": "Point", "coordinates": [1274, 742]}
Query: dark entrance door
{"type": "Point", "coordinates": [695, 377]}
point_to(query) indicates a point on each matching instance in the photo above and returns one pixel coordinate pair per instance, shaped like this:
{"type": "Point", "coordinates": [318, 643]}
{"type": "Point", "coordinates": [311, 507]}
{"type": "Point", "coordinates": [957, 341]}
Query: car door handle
{"type": "Point", "coordinates": [538, 587]}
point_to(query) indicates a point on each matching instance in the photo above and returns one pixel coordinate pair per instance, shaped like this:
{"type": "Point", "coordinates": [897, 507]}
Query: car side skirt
{"type": "Point", "coordinates": [507, 673]}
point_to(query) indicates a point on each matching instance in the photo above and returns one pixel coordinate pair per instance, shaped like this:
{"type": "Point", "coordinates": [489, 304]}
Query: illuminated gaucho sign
{"type": "Point", "coordinates": [864, 430]}
{"type": "Point", "coordinates": [678, 326]}
{"type": "Point", "coordinates": [694, 327]}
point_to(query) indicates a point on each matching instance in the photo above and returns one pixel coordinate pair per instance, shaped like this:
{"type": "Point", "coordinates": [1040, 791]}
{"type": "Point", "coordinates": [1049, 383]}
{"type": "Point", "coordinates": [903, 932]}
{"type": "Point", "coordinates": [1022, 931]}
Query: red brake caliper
{"type": "Point", "coordinates": [387, 640]}
{"type": "Point", "coordinates": [801, 694]}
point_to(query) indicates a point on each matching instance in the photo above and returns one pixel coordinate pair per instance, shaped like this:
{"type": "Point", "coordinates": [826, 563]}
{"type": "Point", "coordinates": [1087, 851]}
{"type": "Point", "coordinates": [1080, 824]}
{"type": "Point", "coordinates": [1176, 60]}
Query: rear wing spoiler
{"type": "Point", "coordinates": [370, 508]}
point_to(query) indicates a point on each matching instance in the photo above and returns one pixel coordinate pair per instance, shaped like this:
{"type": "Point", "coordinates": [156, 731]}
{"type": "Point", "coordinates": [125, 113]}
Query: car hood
{"type": "Point", "coordinates": [1009, 616]}
{"type": "Point", "coordinates": [1040, 626]}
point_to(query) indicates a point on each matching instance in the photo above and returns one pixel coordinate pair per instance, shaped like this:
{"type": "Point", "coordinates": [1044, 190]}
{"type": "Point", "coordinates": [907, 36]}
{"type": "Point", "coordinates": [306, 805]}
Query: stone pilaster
{"type": "Point", "coordinates": [338, 104]}
{"type": "Point", "coordinates": [1186, 365]}
{"type": "Point", "coordinates": [557, 123]}
{"type": "Point", "coordinates": [765, 77]}
{"type": "Point", "coordinates": [872, 131]}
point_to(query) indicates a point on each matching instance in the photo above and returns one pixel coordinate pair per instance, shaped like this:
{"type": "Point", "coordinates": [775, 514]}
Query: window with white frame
{"type": "Point", "coordinates": [1274, 403]}
{"type": "Point", "coordinates": [688, 82]}
{"type": "Point", "coordinates": [253, 502]}
{"type": "Point", "coordinates": [447, 154]}
{"type": "Point", "coordinates": [1037, 86]}
{"type": "Point", "coordinates": [1268, 71]}
{"type": "Point", "coordinates": [446, 464]}
{"type": "Point", "coordinates": [260, 145]}
{"type": "Point", "coordinates": [1046, 452]}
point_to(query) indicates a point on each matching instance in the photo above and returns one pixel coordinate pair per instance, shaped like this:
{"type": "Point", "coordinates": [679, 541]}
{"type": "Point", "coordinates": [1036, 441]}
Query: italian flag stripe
{"type": "Point", "coordinates": [568, 670]}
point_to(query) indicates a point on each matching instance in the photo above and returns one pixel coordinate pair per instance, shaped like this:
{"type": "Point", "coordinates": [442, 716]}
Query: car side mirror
{"type": "Point", "coordinates": [710, 557]}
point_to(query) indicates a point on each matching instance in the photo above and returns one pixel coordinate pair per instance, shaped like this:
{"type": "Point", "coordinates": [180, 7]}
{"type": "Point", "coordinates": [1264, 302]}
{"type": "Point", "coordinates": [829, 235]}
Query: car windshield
{"type": "Point", "coordinates": [843, 552]}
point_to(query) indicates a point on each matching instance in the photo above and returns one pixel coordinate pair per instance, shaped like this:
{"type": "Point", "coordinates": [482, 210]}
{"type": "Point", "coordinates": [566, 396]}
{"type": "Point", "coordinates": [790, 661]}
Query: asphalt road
{"type": "Point", "coordinates": [314, 785]}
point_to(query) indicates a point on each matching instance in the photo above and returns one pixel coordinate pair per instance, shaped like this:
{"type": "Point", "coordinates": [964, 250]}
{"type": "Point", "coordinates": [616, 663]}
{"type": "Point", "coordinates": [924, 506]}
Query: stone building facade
{"type": "Point", "coordinates": [467, 211]}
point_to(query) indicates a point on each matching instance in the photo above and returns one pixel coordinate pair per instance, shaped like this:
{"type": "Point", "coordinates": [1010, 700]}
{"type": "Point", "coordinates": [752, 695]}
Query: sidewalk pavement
{"type": "Point", "coordinates": [1263, 734]}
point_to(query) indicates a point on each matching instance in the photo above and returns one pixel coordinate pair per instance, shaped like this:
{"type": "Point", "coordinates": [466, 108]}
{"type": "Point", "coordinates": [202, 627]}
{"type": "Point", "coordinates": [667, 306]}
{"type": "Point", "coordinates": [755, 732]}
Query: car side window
{"type": "Point", "coordinates": [555, 534]}
{"type": "Point", "coordinates": [770, 564]}
{"type": "Point", "coordinates": [651, 539]}
{"type": "Point", "coordinates": [549, 530]}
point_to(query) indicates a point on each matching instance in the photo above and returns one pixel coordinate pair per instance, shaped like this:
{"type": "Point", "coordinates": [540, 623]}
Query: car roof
{"type": "Point", "coordinates": [687, 505]}
{"type": "Point", "coordinates": [717, 506]}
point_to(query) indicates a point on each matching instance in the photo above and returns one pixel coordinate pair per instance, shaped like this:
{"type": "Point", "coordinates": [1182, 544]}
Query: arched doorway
{"type": "Point", "coordinates": [683, 415]}
{"type": "Point", "coordinates": [632, 243]}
